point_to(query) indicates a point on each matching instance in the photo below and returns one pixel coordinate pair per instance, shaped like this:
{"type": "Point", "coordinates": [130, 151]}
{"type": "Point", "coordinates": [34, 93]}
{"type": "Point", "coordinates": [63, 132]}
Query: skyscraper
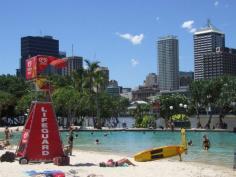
{"type": "Point", "coordinates": [168, 60]}
{"type": "Point", "coordinates": [206, 40]}
{"type": "Point", "coordinates": [73, 64]}
{"type": "Point", "coordinates": [37, 45]}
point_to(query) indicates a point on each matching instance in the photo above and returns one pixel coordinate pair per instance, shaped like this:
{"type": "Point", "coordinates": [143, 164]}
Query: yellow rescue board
{"type": "Point", "coordinates": [159, 153]}
{"type": "Point", "coordinates": [162, 152]}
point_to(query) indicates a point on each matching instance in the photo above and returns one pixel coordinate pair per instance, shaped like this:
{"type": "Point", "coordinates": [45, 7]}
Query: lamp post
{"type": "Point", "coordinates": [171, 122]}
{"type": "Point", "coordinates": [181, 106]}
{"type": "Point", "coordinates": [171, 108]}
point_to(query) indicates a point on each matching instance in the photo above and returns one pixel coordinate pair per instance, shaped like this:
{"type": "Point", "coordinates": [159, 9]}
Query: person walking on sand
{"type": "Point", "coordinates": [70, 141]}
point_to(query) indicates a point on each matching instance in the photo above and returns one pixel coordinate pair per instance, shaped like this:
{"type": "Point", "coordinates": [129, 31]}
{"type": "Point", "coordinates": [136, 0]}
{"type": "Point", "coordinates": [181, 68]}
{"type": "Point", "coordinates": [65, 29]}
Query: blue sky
{"type": "Point", "coordinates": [121, 34]}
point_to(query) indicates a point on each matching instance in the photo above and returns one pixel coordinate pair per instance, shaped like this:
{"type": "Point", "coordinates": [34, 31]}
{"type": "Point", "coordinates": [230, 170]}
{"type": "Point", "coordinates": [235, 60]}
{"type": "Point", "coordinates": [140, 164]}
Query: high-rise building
{"type": "Point", "coordinates": [168, 61]}
{"type": "Point", "coordinates": [105, 72]}
{"type": "Point", "coordinates": [151, 80]}
{"type": "Point", "coordinates": [37, 45]}
{"type": "Point", "coordinates": [185, 78]}
{"type": "Point", "coordinates": [219, 63]}
{"type": "Point", "coordinates": [73, 64]}
{"type": "Point", "coordinates": [113, 89]}
{"type": "Point", "coordinates": [206, 40]}
{"type": "Point", "coordinates": [143, 93]}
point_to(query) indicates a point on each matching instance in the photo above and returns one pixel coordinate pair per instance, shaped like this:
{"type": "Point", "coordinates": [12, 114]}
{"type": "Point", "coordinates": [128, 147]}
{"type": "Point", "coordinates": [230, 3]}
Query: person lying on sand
{"type": "Point", "coordinates": [119, 163]}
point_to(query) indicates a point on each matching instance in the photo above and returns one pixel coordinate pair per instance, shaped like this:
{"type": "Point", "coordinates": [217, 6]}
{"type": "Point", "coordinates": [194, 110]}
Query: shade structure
{"type": "Point", "coordinates": [59, 63]}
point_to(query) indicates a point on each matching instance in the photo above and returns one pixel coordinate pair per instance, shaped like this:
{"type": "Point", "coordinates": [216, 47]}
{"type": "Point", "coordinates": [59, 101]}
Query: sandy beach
{"type": "Point", "coordinates": [85, 163]}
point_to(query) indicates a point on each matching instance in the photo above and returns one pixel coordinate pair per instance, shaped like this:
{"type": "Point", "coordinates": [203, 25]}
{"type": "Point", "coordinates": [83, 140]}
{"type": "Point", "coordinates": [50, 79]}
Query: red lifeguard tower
{"type": "Point", "coordinates": [40, 140]}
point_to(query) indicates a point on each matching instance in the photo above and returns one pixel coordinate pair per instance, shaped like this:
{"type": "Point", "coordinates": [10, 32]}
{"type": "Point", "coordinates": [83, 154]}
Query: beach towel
{"type": "Point", "coordinates": [47, 173]}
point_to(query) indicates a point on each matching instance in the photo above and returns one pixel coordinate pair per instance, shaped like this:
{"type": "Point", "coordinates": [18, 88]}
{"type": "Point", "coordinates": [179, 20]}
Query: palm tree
{"type": "Point", "coordinates": [211, 94]}
{"type": "Point", "coordinates": [94, 80]}
{"type": "Point", "coordinates": [197, 97]}
{"type": "Point", "coordinates": [78, 79]}
{"type": "Point", "coordinates": [90, 74]}
{"type": "Point", "coordinates": [99, 81]}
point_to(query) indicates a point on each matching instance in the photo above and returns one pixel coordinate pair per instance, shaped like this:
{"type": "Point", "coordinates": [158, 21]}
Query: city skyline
{"type": "Point", "coordinates": [121, 35]}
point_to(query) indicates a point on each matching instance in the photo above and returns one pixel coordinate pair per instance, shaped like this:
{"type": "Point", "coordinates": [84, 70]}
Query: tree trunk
{"type": "Point", "coordinates": [207, 126]}
{"type": "Point", "coordinates": [166, 122]}
{"type": "Point", "coordinates": [99, 126]}
{"type": "Point", "coordinates": [198, 121]}
{"type": "Point", "coordinates": [221, 124]}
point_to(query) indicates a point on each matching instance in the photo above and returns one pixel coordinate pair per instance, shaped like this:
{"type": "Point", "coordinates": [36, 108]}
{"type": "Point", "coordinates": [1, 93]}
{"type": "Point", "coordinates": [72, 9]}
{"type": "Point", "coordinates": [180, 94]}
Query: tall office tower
{"type": "Point", "coordinates": [205, 40]}
{"type": "Point", "coordinates": [73, 64]}
{"type": "Point", "coordinates": [37, 45]}
{"type": "Point", "coordinates": [222, 62]}
{"type": "Point", "coordinates": [168, 60]}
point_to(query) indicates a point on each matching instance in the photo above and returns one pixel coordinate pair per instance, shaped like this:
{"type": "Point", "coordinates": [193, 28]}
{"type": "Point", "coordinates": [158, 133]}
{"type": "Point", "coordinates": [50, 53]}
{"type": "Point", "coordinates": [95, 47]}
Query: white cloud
{"type": "Point", "coordinates": [216, 3]}
{"type": "Point", "coordinates": [134, 62]}
{"type": "Point", "coordinates": [193, 30]}
{"type": "Point", "coordinates": [189, 26]}
{"type": "Point", "coordinates": [134, 39]}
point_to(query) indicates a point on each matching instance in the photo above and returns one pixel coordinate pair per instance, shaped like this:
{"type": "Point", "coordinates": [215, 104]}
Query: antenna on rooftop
{"type": "Point", "coordinates": [40, 32]}
{"type": "Point", "coordinates": [72, 50]}
{"type": "Point", "coordinates": [209, 22]}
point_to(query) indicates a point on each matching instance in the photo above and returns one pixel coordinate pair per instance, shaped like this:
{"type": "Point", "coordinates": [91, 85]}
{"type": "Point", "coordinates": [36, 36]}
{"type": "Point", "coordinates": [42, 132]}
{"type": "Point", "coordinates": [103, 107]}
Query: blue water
{"type": "Point", "coordinates": [223, 144]}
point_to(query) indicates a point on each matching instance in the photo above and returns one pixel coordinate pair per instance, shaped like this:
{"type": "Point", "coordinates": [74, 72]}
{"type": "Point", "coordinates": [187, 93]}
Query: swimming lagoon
{"type": "Point", "coordinates": [128, 143]}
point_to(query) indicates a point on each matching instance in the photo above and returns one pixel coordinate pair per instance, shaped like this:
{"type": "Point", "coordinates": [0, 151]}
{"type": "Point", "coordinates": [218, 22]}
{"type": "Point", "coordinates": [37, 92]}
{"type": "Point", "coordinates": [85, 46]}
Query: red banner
{"type": "Point", "coordinates": [43, 62]}
{"type": "Point", "coordinates": [31, 68]}
{"type": "Point", "coordinates": [37, 64]}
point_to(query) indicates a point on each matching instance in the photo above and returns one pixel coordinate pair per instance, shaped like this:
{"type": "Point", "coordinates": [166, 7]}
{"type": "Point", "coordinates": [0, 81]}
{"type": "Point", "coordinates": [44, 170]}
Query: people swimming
{"type": "Point", "coordinates": [119, 163]}
{"type": "Point", "coordinates": [206, 143]}
{"type": "Point", "coordinates": [190, 143]}
{"type": "Point", "coordinates": [97, 141]}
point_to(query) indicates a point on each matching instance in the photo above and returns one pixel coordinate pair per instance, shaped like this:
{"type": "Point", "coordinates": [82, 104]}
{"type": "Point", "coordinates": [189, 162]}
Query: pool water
{"type": "Point", "coordinates": [223, 144]}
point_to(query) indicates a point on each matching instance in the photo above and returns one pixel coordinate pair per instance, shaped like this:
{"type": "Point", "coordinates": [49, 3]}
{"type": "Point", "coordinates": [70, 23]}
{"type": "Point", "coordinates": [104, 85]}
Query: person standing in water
{"type": "Point", "coordinates": [70, 141]}
{"type": "Point", "coordinates": [206, 143]}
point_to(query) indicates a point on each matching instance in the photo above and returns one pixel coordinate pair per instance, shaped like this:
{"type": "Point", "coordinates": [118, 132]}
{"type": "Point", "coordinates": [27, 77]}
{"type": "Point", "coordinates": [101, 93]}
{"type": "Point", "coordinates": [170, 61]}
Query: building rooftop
{"type": "Point", "coordinates": [167, 37]}
{"type": "Point", "coordinates": [208, 29]}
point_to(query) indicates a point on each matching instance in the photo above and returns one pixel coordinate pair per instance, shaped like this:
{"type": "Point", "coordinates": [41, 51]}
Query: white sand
{"type": "Point", "coordinates": [86, 163]}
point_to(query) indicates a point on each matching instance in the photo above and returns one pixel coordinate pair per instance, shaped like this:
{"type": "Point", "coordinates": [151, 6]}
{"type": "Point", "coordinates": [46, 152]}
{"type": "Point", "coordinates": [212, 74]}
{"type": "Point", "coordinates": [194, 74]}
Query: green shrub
{"type": "Point", "coordinates": [179, 117]}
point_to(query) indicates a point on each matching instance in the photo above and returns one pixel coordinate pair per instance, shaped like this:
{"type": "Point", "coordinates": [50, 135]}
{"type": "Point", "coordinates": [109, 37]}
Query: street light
{"type": "Point", "coordinates": [185, 106]}
{"type": "Point", "coordinates": [181, 105]}
{"type": "Point", "coordinates": [171, 122]}
{"type": "Point", "coordinates": [171, 108]}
